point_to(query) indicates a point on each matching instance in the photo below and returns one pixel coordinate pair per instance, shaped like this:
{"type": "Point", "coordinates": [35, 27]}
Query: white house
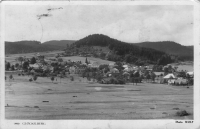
{"type": "Point", "coordinates": [95, 64]}
{"type": "Point", "coordinates": [36, 66]}
{"type": "Point", "coordinates": [168, 76]}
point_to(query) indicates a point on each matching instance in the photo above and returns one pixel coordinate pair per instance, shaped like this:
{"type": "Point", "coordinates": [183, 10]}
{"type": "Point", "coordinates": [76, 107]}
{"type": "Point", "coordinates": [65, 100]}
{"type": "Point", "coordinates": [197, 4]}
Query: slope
{"type": "Point", "coordinates": [122, 51]}
{"type": "Point", "coordinates": [169, 47]}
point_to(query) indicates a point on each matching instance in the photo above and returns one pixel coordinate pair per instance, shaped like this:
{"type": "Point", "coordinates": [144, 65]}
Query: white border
{"type": "Point", "coordinates": [106, 124]}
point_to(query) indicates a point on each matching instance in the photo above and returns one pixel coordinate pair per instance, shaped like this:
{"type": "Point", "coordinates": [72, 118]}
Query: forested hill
{"type": "Point", "coordinates": [184, 52]}
{"type": "Point", "coordinates": [34, 46]}
{"type": "Point", "coordinates": [122, 51]}
{"type": "Point", "coordinates": [27, 47]}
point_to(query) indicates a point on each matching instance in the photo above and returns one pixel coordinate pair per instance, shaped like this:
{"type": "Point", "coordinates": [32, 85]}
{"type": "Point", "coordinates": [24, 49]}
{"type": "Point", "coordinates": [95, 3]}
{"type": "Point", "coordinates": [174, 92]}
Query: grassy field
{"type": "Point", "coordinates": [11, 58]}
{"type": "Point", "coordinates": [82, 59]}
{"type": "Point", "coordinates": [188, 66]}
{"type": "Point", "coordinates": [80, 99]}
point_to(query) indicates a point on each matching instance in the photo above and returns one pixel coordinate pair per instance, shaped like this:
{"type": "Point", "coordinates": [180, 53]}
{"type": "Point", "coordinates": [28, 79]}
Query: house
{"type": "Point", "coordinates": [114, 70]}
{"type": "Point", "coordinates": [95, 64]}
{"type": "Point", "coordinates": [47, 67]}
{"type": "Point", "coordinates": [128, 68]}
{"type": "Point", "coordinates": [125, 66]}
{"type": "Point", "coordinates": [73, 69]}
{"type": "Point", "coordinates": [149, 67]}
{"type": "Point", "coordinates": [191, 74]}
{"type": "Point", "coordinates": [35, 66]}
{"type": "Point", "coordinates": [111, 65]}
{"type": "Point", "coordinates": [80, 70]}
{"type": "Point", "coordinates": [169, 76]}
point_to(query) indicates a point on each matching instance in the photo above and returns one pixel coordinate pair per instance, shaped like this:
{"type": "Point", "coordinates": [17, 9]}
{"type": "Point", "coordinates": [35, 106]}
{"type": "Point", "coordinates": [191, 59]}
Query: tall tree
{"type": "Point", "coordinates": [33, 60]}
{"type": "Point", "coordinates": [16, 65]}
{"type": "Point", "coordinates": [12, 67]}
{"type": "Point", "coordinates": [86, 61]}
{"type": "Point", "coordinates": [52, 79]}
{"type": "Point", "coordinates": [166, 70]}
{"type": "Point", "coordinates": [20, 59]}
{"type": "Point", "coordinates": [35, 78]}
{"type": "Point", "coordinates": [60, 60]}
{"type": "Point", "coordinates": [25, 65]}
{"type": "Point", "coordinates": [7, 66]}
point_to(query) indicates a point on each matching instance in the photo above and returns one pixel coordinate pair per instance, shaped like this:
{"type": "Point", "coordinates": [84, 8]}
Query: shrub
{"type": "Point", "coordinates": [72, 78]}
{"type": "Point", "coordinates": [121, 81]}
{"type": "Point", "coordinates": [182, 113]}
{"type": "Point", "coordinates": [52, 78]}
{"type": "Point", "coordinates": [35, 78]}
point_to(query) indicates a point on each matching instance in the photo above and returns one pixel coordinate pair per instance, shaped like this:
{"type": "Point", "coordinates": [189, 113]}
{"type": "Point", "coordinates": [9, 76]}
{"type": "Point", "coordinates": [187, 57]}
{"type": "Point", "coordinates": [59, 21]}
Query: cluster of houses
{"type": "Point", "coordinates": [78, 67]}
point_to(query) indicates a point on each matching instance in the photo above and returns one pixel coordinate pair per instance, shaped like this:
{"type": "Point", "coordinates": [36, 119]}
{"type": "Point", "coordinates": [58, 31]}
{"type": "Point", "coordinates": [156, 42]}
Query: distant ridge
{"type": "Point", "coordinates": [34, 46]}
{"type": "Point", "coordinates": [145, 50]}
{"type": "Point", "coordinates": [170, 48]}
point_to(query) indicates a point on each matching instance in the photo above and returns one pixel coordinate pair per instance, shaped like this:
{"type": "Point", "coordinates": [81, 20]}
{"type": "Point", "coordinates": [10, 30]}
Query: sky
{"type": "Point", "coordinates": [128, 23]}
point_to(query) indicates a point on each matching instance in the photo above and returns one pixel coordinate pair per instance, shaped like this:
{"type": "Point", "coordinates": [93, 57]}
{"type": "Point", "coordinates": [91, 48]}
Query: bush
{"type": "Point", "coordinates": [182, 113]}
{"type": "Point", "coordinates": [35, 78]}
{"type": "Point", "coordinates": [121, 81]}
{"type": "Point", "coordinates": [114, 81]}
{"type": "Point", "coordinates": [52, 78]}
{"type": "Point", "coordinates": [72, 78]}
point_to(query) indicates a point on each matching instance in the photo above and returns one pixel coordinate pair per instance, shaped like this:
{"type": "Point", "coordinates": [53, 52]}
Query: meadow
{"type": "Point", "coordinates": [80, 99]}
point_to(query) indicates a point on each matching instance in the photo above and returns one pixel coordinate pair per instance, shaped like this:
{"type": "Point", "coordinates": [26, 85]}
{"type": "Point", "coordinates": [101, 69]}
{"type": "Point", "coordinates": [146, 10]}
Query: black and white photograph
{"type": "Point", "coordinates": [99, 61]}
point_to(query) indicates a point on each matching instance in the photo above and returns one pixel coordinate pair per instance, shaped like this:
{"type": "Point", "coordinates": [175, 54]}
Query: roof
{"type": "Point", "coordinates": [190, 73]}
{"type": "Point", "coordinates": [95, 64]}
{"type": "Point", "coordinates": [112, 64]}
{"type": "Point", "coordinates": [125, 66]}
{"type": "Point", "coordinates": [34, 65]}
{"type": "Point", "coordinates": [169, 76]}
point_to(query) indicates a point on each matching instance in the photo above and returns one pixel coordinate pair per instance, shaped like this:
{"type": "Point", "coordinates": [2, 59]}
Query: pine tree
{"type": "Point", "coordinates": [33, 60]}
{"type": "Point", "coordinates": [86, 61]}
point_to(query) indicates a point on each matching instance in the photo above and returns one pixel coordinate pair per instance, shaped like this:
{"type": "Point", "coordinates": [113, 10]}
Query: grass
{"type": "Point", "coordinates": [82, 59]}
{"type": "Point", "coordinates": [85, 101]}
{"type": "Point", "coordinates": [11, 58]}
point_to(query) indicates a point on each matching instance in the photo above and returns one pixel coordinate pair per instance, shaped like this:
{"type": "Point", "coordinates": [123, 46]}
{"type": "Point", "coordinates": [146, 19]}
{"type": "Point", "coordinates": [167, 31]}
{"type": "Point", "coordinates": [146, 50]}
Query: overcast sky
{"type": "Point", "coordinates": [132, 23]}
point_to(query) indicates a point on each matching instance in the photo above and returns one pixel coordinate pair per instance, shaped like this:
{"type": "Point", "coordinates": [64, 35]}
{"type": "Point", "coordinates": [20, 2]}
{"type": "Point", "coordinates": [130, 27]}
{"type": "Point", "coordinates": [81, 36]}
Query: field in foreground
{"type": "Point", "coordinates": [82, 100]}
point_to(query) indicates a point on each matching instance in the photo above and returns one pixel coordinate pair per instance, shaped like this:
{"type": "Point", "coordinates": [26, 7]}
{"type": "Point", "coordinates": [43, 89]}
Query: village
{"type": "Point", "coordinates": [96, 71]}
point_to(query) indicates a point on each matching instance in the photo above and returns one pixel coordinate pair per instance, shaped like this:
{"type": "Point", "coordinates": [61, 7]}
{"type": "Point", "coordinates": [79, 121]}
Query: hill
{"type": "Point", "coordinates": [122, 51]}
{"type": "Point", "coordinates": [34, 46]}
{"type": "Point", "coordinates": [190, 47]}
{"type": "Point", "coordinates": [184, 52]}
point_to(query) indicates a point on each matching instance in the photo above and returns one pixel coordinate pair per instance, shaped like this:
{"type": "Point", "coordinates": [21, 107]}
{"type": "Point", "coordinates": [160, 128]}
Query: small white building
{"type": "Point", "coordinates": [95, 64]}
{"type": "Point", "coordinates": [114, 70]}
{"type": "Point", "coordinates": [35, 66]}
{"type": "Point", "coordinates": [169, 76]}
{"type": "Point", "coordinates": [191, 74]}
